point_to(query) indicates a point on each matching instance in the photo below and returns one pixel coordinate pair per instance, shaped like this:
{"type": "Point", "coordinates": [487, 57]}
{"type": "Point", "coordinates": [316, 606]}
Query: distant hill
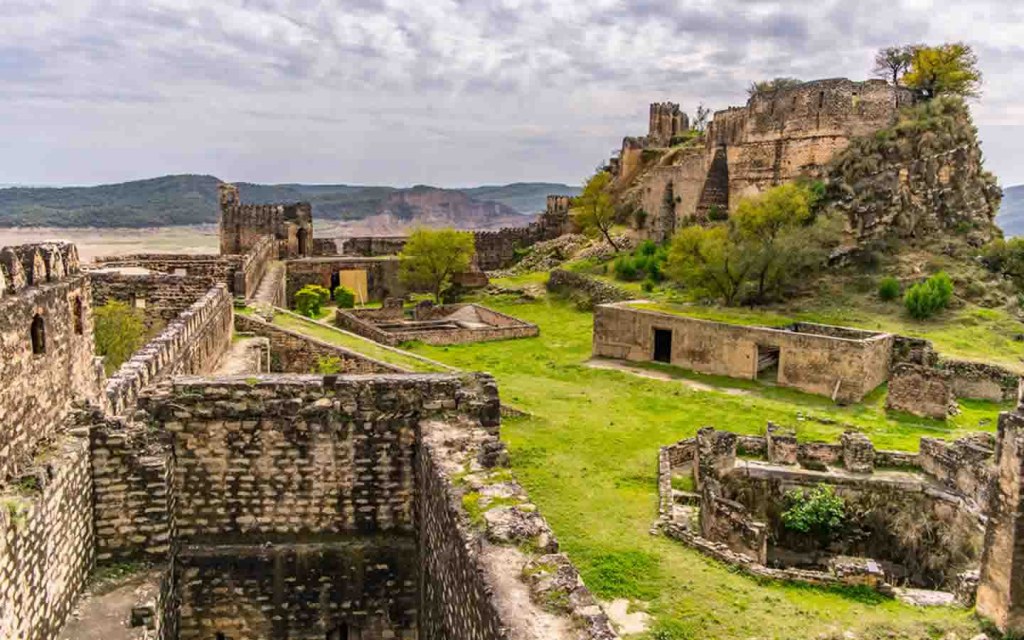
{"type": "Point", "coordinates": [192, 199]}
{"type": "Point", "coordinates": [1011, 211]}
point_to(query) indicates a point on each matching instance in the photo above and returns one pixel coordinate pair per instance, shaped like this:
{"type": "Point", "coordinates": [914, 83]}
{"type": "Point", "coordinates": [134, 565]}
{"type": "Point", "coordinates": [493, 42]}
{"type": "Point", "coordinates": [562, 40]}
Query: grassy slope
{"type": "Point", "coordinates": [588, 460]}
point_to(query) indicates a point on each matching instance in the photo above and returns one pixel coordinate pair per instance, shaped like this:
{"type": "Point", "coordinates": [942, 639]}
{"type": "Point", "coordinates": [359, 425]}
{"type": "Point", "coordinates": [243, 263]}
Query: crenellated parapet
{"type": "Point", "coordinates": [30, 265]}
{"type": "Point", "coordinates": [667, 121]}
{"type": "Point", "coordinates": [243, 225]}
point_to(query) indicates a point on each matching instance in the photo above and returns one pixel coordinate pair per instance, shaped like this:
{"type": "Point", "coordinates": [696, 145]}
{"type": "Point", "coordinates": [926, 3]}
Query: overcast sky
{"type": "Point", "coordinates": [431, 91]}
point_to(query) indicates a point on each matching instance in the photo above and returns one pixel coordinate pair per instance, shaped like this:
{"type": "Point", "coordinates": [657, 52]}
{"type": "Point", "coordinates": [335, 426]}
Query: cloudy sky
{"type": "Point", "coordinates": [431, 91]}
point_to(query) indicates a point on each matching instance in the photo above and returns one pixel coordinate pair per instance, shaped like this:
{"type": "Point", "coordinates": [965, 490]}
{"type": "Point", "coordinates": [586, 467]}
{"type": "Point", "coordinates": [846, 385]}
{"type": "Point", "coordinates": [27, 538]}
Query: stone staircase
{"type": "Point", "coordinates": [270, 291]}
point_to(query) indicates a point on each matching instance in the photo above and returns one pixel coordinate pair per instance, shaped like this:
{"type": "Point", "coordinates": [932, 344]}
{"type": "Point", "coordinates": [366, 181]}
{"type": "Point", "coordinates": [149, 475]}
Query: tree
{"type": "Point", "coordinates": [119, 332]}
{"type": "Point", "coordinates": [948, 69]}
{"type": "Point", "coordinates": [310, 299]}
{"type": "Point", "coordinates": [925, 299]}
{"type": "Point", "coordinates": [432, 256]}
{"type": "Point", "coordinates": [892, 62]}
{"type": "Point", "coordinates": [773, 224]}
{"type": "Point", "coordinates": [700, 119]}
{"type": "Point", "coordinates": [773, 85]}
{"type": "Point", "coordinates": [708, 259]}
{"type": "Point", "coordinates": [593, 210]}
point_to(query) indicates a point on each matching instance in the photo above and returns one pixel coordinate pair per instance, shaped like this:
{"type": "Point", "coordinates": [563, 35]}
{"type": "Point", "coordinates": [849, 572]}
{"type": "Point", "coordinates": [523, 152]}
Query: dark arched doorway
{"type": "Point", "coordinates": [303, 237]}
{"type": "Point", "coordinates": [38, 332]}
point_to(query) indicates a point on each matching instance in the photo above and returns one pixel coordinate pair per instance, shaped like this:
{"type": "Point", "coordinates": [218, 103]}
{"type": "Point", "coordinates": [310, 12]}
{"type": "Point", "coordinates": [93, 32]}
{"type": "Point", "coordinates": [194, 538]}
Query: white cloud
{"type": "Point", "coordinates": [438, 91]}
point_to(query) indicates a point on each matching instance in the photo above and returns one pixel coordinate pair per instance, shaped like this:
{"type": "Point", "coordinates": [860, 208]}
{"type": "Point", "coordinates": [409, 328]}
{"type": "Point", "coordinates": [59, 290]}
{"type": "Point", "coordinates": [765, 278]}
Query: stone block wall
{"type": "Point", "coordinates": [370, 246]}
{"type": "Point", "coordinates": [920, 391]}
{"type": "Point", "coordinates": [381, 275]}
{"type": "Point", "coordinates": [845, 369]}
{"type": "Point", "coordinates": [253, 266]}
{"type": "Point", "coordinates": [208, 269]}
{"type": "Point", "coordinates": [242, 226]}
{"type": "Point", "coordinates": [501, 326]}
{"type": "Point", "coordinates": [365, 589]}
{"type": "Point", "coordinates": [964, 466]}
{"type": "Point", "coordinates": [292, 352]}
{"type": "Point", "coordinates": [42, 376]}
{"type": "Point", "coordinates": [133, 492]}
{"type": "Point", "coordinates": [193, 343]}
{"type": "Point", "coordinates": [160, 296]}
{"type": "Point", "coordinates": [46, 541]}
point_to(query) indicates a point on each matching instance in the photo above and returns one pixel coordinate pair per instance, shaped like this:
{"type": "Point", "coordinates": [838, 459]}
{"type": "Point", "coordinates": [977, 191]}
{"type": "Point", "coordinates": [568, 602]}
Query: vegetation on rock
{"type": "Point", "coordinates": [593, 210]}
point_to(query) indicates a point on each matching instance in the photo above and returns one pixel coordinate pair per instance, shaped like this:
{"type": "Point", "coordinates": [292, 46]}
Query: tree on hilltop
{"type": "Point", "coordinates": [948, 69]}
{"type": "Point", "coordinates": [892, 62]}
{"type": "Point", "coordinates": [432, 256]}
{"type": "Point", "coordinates": [593, 210]}
{"type": "Point", "coordinates": [773, 85]}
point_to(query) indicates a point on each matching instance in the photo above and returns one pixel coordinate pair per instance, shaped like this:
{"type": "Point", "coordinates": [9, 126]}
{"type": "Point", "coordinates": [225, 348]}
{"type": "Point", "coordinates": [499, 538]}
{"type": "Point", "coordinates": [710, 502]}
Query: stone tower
{"type": "Point", "coordinates": [666, 122]}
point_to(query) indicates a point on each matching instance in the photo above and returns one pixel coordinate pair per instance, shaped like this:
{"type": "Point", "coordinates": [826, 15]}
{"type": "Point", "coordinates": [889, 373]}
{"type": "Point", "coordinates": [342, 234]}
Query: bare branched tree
{"type": "Point", "coordinates": [892, 62]}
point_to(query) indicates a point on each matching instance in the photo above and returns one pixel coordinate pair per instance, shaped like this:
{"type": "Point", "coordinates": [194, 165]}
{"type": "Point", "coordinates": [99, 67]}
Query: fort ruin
{"type": "Point", "coordinates": [381, 497]}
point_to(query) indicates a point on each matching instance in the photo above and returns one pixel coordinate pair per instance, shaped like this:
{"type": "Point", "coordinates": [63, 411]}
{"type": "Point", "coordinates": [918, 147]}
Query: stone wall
{"type": "Point", "coordinates": [842, 368]}
{"type": "Point", "coordinates": [253, 266]}
{"type": "Point", "coordinates": [206, 268]}
{"type": "Point", "coordinates": [671, 193]}
{"type": "Point", "coordinates": [666, 121]}
{"type": "Point", "coordinates": [161, 297]}
{"type": "Point", "coordinates": [42, 376]}
{"type": "Point", "coordinates": [46, 540]}
{"type": "Point", "coordinates": [292, 352]}
{"type": "Point", "coordinates": [381, 275]}
{"type": "Point", "coordinates": [193, 343]}
{"type": "Point", "coordinates": [242, 226]}
{"type": "Point", "coordinates": [964, 466]}
{"type": "Point", "coordinates": [365, 322]}
{"type": "Point", "coordinates": [589, 291]}
{"type": "Point", "coordinates": [920, 391]}
{"type": "Point", "coordinates": [372, 246]}
{"type": "Point", "coordinates": [325, 247]}
{"type": "Point", "coordinates": [366, 589]}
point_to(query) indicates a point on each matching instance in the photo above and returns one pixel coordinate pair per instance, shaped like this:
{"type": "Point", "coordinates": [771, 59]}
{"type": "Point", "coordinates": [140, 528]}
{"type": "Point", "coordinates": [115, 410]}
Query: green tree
{"type": "Point", "coordinates": [925, 299]}
{"type": "Point", "coordinates": [593, 210]}
{"type": "Point", "coordinates": [119, 332]}
{"type": "Point", "coordinates": [432, 256]}
{"type": "Point", "coordinates": [310, 299]}
{"type": "Point", "coordinates": [818, 511]}
{"type": "Point", "coordinates": [708, 259]}
{"type": "Point", "coordinates": [892, 62]}
{"type": "Point", "coordinates": [773, 85]}
{"type": "Point", "coordinates": [948, 69]}
{"type": "Point", "coordinates": [763, 220]}
{"type": "Point", "coordinates": [889, 288]}
{"type": "Point", "coordinates": [1005, 257]}
{"type": "Point", "coordinates": [344, 297]}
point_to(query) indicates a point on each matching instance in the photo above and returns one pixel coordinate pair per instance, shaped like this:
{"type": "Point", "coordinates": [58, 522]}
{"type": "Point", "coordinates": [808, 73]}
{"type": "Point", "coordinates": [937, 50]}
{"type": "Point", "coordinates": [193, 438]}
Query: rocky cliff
{"type": "Point", "coordinates": [920, 177]}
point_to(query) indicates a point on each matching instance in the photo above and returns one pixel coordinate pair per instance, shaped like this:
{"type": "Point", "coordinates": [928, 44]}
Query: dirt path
{"type": "Point", "coordinates": [243, 357]}
{"type": "Point", "coordinates": [618, 365]}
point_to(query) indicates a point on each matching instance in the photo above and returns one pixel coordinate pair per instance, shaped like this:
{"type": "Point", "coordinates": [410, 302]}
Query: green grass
{"type": "Point", "coordinates": [588, 458]}
{"type": "Point", "coordinates": [355, 343]}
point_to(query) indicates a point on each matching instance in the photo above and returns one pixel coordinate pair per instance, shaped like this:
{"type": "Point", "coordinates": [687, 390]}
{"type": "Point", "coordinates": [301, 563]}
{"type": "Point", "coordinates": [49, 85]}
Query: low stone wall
{"type": "Point", "coordinates": [921, 391]}
{"type": "Point", "coordinates": [193, 343]}
{"type": "Point", "coordinates": [209, 268]}
{"type": "Point", "coordinates": [325, 247]}
{"type": "Point", "coordinates": [503, 327]}
{"type": "Point", "coordinates": [381, 275]}
{"type": "Point", "coordinates": [981, 381]}
{"type": "Point", "coordinates": [966, 466]}
{"type": "Point", "coordinates": [590, 290]}
{"type": "Point", "coordinates": [293, 352]}
{"type": "Point", "coordinates": [253, 266]}
{"type": "Point", "coordinates": [160, 297]}
{"type": "Point", "coordinates": [46, 541]}
{"type": "Point", "coordinates": [369, 246]}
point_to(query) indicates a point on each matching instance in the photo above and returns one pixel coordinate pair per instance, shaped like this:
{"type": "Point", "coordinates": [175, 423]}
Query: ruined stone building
{"type": "Point", "coordinates": [258, 500]}
{"type": "Point", "coordinates": [243, 225]}
{"type": "Point", "coordinates": [774, 138]}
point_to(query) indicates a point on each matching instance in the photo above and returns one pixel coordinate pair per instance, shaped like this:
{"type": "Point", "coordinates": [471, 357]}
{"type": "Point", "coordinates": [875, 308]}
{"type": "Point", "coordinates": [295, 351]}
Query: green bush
{"type": "Point", "coordinates": [717, 213]}
{"type": "Point", "coordinates": [889, 288]}
{"type": "Point", "coordinates": [344, 297]}
{"type": "Point", "coordinates": [817, 511]}
{"type": "Point", "coordinates": [326, 365]}
{"type": "Point", "coordinates": [119, 330]}
{"type": "Point", "coordinates": [625, 269]}
{"type": "Point", "coordinates": [310, 299]}
{"type": "Point", "coordinates": [925, 299]}
{"type": "Point", "coordinates": [645, 263]}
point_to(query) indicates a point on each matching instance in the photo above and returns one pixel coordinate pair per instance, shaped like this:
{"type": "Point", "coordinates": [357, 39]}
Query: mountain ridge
{"type": "Point", "coordinates": [1011, 212]}
{"type": "Point", "coordinates": [186, 199]}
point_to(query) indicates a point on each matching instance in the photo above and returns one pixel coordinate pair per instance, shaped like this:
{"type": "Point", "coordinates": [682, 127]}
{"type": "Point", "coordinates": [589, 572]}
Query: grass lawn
{"type": "Point", "coordinates": [588, 458]}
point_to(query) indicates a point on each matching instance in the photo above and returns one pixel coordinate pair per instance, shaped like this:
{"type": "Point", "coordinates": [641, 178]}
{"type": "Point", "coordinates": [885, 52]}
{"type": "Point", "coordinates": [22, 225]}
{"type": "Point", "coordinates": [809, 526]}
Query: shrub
{"type": "Point", "coordinates": [310, 299]}
{"type": "Point", "coordinates": [119, 331]}
{"type": "Point", "coordinates": [817, 511]}
{"type": "Point", "coordinates": [647, 286]}
{"type": "Point", "coordinates": [925, 299]}
{"type": "Point", "coordinates": [889, 288]}
{"type": "Point", "coordinates": [717, 213]}
{"type": "Point", "coordinates": [647, 248]}
{"type": "Point", "coordinates": [344, 297]}
{"type": "Point", "coordinates": [625, 269]}
{"type": "Point", "coordinates": [327, 365]}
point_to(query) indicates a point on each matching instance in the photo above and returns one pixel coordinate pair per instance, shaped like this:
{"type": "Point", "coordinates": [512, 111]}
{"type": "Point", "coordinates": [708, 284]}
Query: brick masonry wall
{"type": "Point", "coordinates": [37, 390]}
{"type": "Point", "coordinates": [368, 588]}
{"type": "Point", "coordinates": [192, 344]}
{"type": "Point", "coordinates": [46, 543]}
{"type": "Point", "coordinates": [292, 352]}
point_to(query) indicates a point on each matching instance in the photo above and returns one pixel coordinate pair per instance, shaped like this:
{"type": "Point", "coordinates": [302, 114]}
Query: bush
{"type": "Point", "coordinates": [327, 365]}
{"type": "Point", "coordinates": [889, 288]}
{"type": "Point", "coordinates": [625, 269]}
{"type": "Point", "coordinates": [344, 297]}
{"type": "Point", "coordinates": [717, 213]}
{"type": "Point", "coordinates": [925, 299]}
{"type": "Point", "coordinates": [310, 299]}
{"type": "Point", "coordinates": [817, 511]}
{"type": "Point", "coordinates": [645, 263]}
{"type": "Point", "coordinates": [118, 331]}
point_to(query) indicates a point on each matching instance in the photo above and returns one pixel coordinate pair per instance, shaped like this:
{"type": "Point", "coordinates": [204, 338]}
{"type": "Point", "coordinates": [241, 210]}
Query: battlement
{"type": "Point", "coordinates": [558, 204]}
{"type": "Point", "coordinates": [243, 225]}
{"type": "Point", "coordinates": [30, 265]}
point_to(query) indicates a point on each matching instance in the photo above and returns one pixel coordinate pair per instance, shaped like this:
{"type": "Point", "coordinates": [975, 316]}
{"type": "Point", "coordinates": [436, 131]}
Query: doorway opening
{"type": "Point", "coordinates": [303, 238]}
{"type": "Point", "coordinates": [663, 345]}
{"type": "Point", "coordinates": [768, 363]}
{"type": "Point", "coordinates": [339, 633]}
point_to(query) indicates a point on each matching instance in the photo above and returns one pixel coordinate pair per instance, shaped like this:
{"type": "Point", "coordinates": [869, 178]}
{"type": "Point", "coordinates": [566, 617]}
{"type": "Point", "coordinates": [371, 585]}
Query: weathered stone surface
{"type": "Point", "coordinates": [921, 391]}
